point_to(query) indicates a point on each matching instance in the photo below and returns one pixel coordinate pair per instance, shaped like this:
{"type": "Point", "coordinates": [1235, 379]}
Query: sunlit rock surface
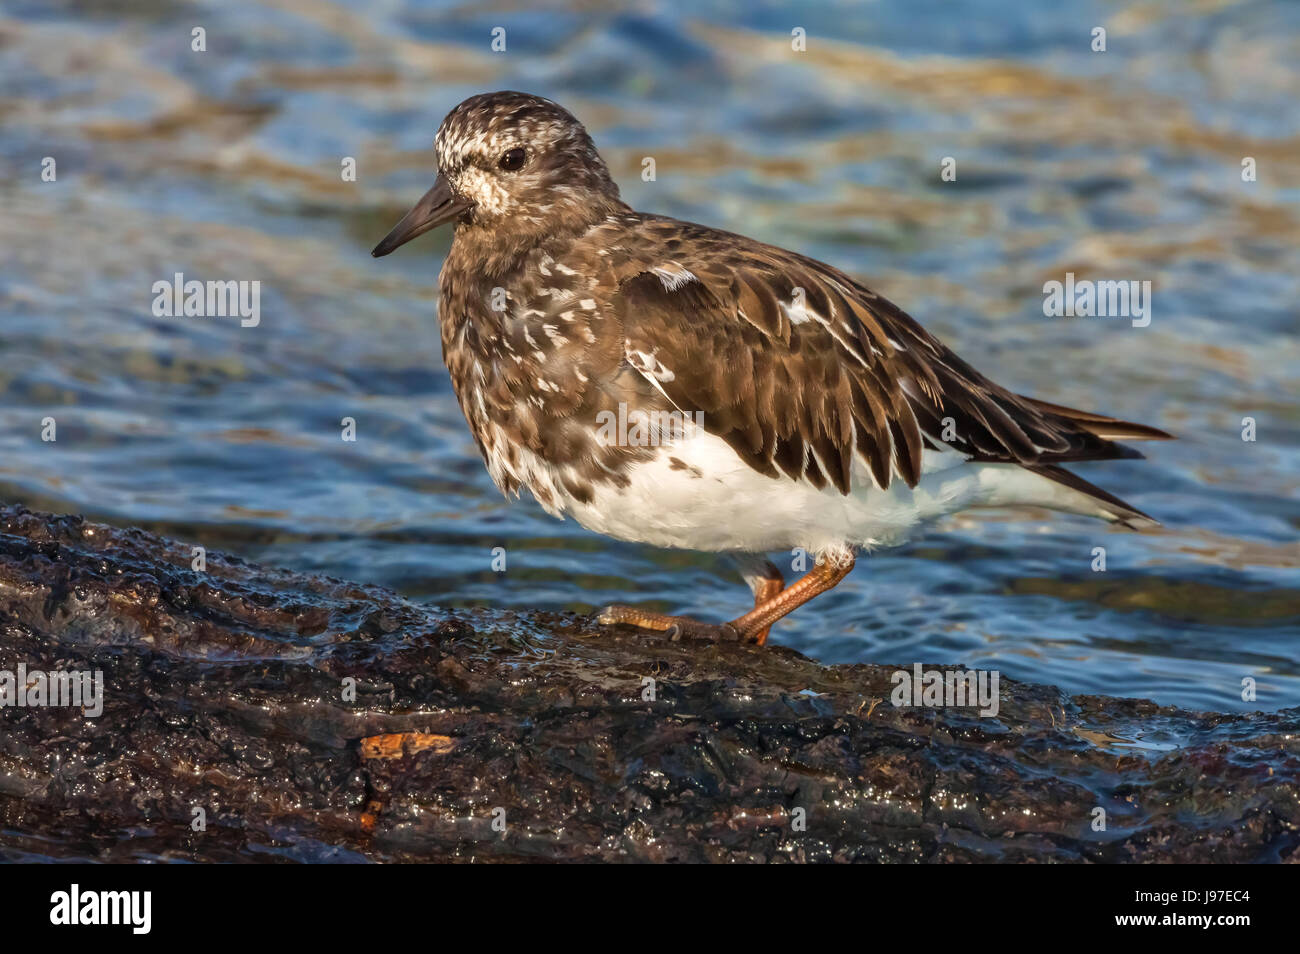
{"type": "Point", "coordinates": [507, 736]}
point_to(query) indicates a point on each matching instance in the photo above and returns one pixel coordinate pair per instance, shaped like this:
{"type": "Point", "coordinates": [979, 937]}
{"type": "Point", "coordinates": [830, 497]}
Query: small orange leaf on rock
{"type": "Point", "coordinates": [396, 745]}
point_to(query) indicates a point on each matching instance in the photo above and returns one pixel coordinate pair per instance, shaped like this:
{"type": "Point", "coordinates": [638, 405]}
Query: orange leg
{"type": "Point", "coordinates": [766, 583]}
{"type": "Point", "coordinates": [770, 605]}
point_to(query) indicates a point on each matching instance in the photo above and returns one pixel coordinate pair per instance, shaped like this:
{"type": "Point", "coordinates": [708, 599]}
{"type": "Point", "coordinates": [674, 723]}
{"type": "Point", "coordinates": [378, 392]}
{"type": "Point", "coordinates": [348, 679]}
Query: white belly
{"type": "Point", "coordinates": [711, 500]}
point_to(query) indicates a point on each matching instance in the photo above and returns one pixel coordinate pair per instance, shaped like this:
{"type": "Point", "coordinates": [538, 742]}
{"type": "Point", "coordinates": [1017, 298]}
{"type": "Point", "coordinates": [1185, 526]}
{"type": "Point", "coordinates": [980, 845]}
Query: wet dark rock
{"type": "Point", "coordinates": [316, 719]}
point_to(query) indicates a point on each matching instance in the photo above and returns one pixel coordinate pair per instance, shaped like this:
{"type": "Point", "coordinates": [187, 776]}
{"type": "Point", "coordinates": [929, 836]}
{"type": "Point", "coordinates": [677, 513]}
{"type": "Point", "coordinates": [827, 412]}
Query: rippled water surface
{"type": "Point", "coordinates": [1117, 165]}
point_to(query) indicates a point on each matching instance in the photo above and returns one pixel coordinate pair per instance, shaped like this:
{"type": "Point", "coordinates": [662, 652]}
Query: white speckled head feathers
{"type": "Point", "coordinates": [560, 179]}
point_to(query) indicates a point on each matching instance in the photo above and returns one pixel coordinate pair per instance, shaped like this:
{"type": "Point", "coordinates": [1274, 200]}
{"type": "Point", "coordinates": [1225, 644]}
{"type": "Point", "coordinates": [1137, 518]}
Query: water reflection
{"type": "Point", "coordinates": [225, 164]}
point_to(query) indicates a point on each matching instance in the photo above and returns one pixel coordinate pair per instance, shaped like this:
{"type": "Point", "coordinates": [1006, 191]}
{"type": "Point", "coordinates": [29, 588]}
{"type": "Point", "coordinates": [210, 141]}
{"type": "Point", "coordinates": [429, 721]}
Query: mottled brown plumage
{"type": "Point", "coordinates": [559, 304]}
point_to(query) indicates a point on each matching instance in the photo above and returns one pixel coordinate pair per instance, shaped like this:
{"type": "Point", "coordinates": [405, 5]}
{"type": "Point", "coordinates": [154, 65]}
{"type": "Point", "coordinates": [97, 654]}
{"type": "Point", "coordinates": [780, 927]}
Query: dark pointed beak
{"type": "Point", "coordinates": [437, 207]}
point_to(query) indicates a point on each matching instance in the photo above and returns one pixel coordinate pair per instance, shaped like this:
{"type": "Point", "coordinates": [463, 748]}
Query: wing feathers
{"type": "Point", "coordinates": [1108, 428]}
{"type": "Point", "coordinates": [805, 370]}
{"type": "Point", "coordinates": [1114, 508]}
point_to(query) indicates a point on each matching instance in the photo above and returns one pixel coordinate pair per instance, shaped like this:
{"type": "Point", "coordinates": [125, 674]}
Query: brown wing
{"type": "Point", "coordinates": [798, 368]}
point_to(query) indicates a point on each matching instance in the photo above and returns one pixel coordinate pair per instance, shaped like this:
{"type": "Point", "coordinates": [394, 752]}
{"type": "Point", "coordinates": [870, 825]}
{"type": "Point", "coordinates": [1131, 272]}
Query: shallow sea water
{"type": "Point", "coordinates": [1117, 165]}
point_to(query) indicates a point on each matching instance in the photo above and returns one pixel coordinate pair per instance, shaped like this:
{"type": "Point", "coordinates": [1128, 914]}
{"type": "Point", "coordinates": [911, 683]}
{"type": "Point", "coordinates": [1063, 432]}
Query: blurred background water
{"type": "Point", "coordinates": [1126, 164]}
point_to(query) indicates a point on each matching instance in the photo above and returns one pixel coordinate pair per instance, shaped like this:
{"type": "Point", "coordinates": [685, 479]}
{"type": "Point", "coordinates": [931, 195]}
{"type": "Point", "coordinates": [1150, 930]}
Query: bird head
{"type": "Point", "coordinates": [515, 165]}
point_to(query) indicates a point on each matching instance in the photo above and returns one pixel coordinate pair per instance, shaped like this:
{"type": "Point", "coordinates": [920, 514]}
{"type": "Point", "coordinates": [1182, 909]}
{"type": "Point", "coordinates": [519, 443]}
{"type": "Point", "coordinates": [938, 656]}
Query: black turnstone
{"type": "Point", "coordinates": [680, 386]}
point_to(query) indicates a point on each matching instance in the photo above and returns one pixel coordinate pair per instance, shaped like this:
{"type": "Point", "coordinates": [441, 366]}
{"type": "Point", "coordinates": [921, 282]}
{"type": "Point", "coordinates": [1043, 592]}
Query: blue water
{"type": "Point", "coordinates": [1117, 165]}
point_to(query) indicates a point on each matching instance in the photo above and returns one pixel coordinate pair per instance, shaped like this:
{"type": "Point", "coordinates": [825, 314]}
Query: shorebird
{"type": "Point", "coordinates": [680, 386]}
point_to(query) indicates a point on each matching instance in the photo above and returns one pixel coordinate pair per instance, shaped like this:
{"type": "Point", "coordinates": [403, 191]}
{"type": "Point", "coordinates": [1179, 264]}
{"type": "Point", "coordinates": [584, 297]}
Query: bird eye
{"type": "Point", "coordinates": [512, 160]}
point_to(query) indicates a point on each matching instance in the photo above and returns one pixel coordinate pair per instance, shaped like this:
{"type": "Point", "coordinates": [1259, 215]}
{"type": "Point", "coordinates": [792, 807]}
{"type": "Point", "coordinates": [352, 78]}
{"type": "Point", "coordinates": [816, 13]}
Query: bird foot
{"type": "Point", "coordinates": [674, 627]}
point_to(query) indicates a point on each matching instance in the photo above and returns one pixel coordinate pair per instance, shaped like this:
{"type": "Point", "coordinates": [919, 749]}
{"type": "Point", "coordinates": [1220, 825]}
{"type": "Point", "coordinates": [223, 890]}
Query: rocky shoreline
{"type": "Point", "coordinates": [252, 713]}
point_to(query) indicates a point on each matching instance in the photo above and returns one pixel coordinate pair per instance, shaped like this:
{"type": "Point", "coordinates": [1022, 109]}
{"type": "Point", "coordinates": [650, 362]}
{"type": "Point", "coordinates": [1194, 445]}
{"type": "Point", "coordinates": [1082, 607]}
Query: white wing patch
{"type": "Point", "coordinates": [673, 275]}
{"type": "Point", "coordinates": [650, 366]}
